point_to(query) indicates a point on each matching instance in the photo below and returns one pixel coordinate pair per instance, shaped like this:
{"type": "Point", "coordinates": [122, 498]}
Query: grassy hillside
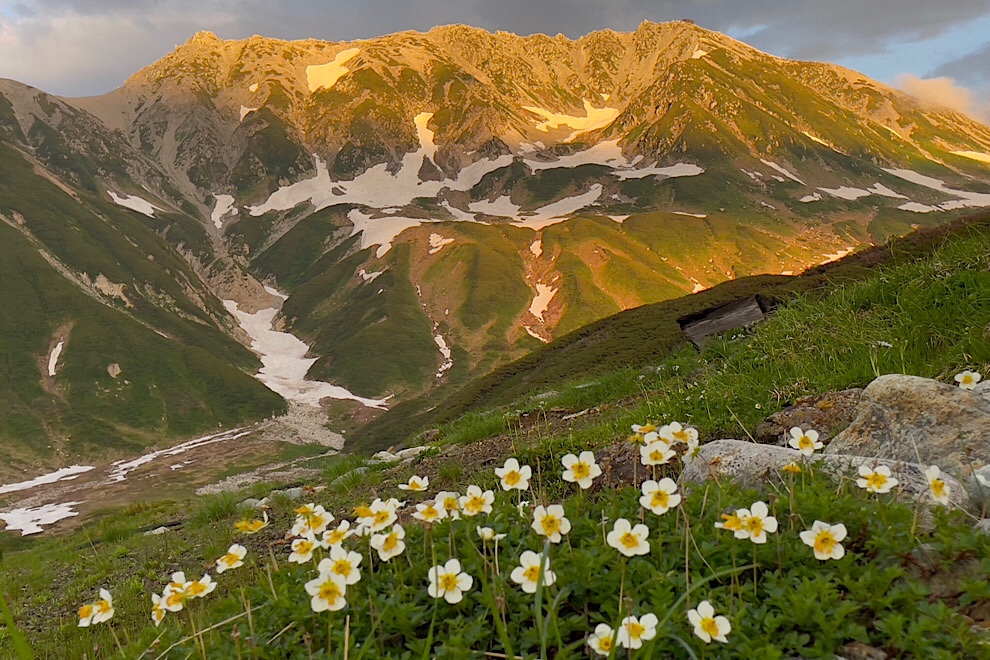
{"type": "Point", "coordinates": [180, 374]}
{"type": "Point", "coordinates": [635, 338]}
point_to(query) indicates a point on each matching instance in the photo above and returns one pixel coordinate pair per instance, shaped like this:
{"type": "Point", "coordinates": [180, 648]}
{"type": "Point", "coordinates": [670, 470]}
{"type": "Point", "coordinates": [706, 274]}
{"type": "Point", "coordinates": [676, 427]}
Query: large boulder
{"type": "Point", "coordinates": [752, 465]}
{"type": "Point", "coordinates": [906, 418]}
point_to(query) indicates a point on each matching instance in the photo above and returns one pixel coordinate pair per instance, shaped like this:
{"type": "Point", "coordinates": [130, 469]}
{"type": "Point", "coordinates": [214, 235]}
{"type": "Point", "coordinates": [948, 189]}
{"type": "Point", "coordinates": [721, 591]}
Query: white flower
{"type": "Point", "coordinates": [391, 544]}
{"type": "Point", "coordinates": [475, 501]}
{"type": "Point", "coordinates": [644, 428]}
{"type": "Point", "coordinates": [707, 626]}
{"type": "Point", "coordinates": [416, 484]}
{"type": "Point", "coordinates": [342, 563]}
{"type": "Point", "coordinates": [103, 607]}
{"type": "Point", "coordinates": [550, 522]}
{"type": "Point", "coordinates": [449, 582]}
{"type": "Point", "coordinates": [968, 379]}
{"type": "Point", "coordinates": [302, 549]}
{"type": "Point", "coordinates": [629, 540]}
{"type": "Point", "coordinates": [450, 503]}
{"type": "Point", "coordinates": [382, 515]}
{"type": "Point", "coordinates": [335, 537]}
{"type": "Point", "coordinates": [233, 559]}
{"type": "Point", "coordinates": [877, 480]}
{"type": "Point", "coordinates": [656, 453]}
{"type": "Point", "coordinates": [429, 512]}
{"type": "Point", "coordinates": [512, 476]}
{"type": "Point", "coordinates": [527, 574]}
{"type": "Point", "coordinates": [521, 508]}
{"type": "Point", "coordinates": [674, 432]}
{"type": "Point", "coordinates": [600, 641]}
{"type": "Point", "coordinates": [311, 519]}
{"type": "Point", "coordinates": [691, 451]}
{"type": "Point", "coordinates": [201, 587]}
{"type": "Point", "coordinates": [634, 631]}
{"type": "Point", "coordinates": [327, 592]}
{"type": "Point", "coordinates": [660, 496]}
{"type": "Point", "coordinates": [756, 523]}
{"type": "Point", "coordinates": [157, 609]}
{"type": "Point", "coordinates": [937, 485]}
{"type": "Point", "coordinates": [825, 539]}
{"type": "Point", "coordinates": [805, 441]}
{"type": "Point", "coordinates": [488, 534]}
{"type": "Point", "coordinates": [581, 469]}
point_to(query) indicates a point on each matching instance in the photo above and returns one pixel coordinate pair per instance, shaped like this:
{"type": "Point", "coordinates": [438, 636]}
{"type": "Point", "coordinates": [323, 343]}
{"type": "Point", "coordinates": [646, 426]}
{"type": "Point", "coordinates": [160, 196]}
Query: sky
{"type": "Point", "coordinates": [939, 51]}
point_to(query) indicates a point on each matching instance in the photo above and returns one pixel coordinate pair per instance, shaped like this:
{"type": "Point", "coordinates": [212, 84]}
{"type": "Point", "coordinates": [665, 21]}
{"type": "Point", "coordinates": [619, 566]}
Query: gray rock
{"type": "Point", "coordinates": [980, 485]}
{"type": "Point", "coordinates": [385, 456]}
{"type": "Point", "coordinates": [411, 452]}
{"type": "Point", "coordinates": [906, 418]}
{"type": "Point", "coordinates": [983, 526]}
{"type": "Point", "coordinates": [158, 531]}
{"type": "Point", "coordinates": [250, 502]}
{"type": "Point", "coordinates": [752, 465]}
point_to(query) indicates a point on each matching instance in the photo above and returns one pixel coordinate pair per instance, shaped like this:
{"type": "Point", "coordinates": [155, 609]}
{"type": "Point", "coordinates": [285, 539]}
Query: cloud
{"type": "Point", "coordinates": [945, 92]}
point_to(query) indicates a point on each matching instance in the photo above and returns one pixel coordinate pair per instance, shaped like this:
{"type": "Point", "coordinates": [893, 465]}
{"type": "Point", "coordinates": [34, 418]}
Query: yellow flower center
{"type": "Point", "coordinates": [754, 525]}
{"type": "Point", "coordinates": [335, 537]}
{"type": "Point", "coordinates": [450, 504]}
{"type": "Point", "coordinates": [304, 510]}
{"type": "Point", "coordinates": [532, 572]}
{"type": "Point", "coordinates": [475, 504]}
{"type": "Point", "coordinates": [175, 598]}
{"type": "Point", "coordinates": [656, 455]}
{"type": "Point", "coordinates": [648, 428]}
{"type": "Point", "coordinates": [681, 435]}
{"type": "Point", "coordinates": [605, 643]}
{"type": "Point", "coordinates": [342, 567]}
{"type": "Point", "coordinates": [636, 439]}
{"type": "Point", "coordinates": [876, 481]}
{"type": "Point", "coordinates": [304, 547]}
{"type": "Point", "coordinates": [792, 467]}
{"type": "Point", "coordinates": [512, 478]}
{"type": "Point", "coordinates": [362, 511]}
{"type": "Point", "coordinates": [229, 559]}
{"type": "Point", "coordinates": [447, 582]}
{"type": "Point", "coordinates": [635, 630]}
{"type": "Point", "coordinates": [938, 488]}
{"type": "Point", "coordinates": [732, 522]}
{"type": "Point", "coordinates": [709, 626]}
{"type": "Point", "coordinates": [967, 379]}
{"type": "Point", "coordinates": [196, 589]}
{"type": "Point", "coordinates": [660, 499]}
{"type": "Point", "coordinates": [825, 543]}
{"type": "Point", "coordinates": [85, 611]}
{"type": "Point", "coordinates": [382, 517]}
{"type": "Point", "coordinates": [430, 513]}
{"type": "Point", "coordinates": [804, 442]}
{"type": "Point", "coordinates": [581, 470]}
{"type": "Point", "coordinates": [391, 541]}
{"type": "Point", "coordinates": [550, 525]}
{"type": "Point", "coordinates": [329, 591]}
{"type": "Point", "coordinates": [630, 540]}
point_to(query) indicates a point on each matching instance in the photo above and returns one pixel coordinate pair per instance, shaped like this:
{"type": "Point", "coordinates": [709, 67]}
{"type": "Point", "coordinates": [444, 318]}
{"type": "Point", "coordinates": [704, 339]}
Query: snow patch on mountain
{"type": "Point", "coordinates": [253, 87]}
{"type": "Point", "coordinates": [245, 111]}
{"type": "Point", "coordinates": [594, 118]}
{"type": "Point", "coordinates": [964, 197]}
{"type": "Point", "coordinates": [540, 304]}
{"type": "Point", "coordinates": [224, 205]}
{"type": "Point", "coordinates": [669, 172]}
{"type": "Point", "coordinates": [134, 203]}
{"type": "Point", "coordinates": [122, 468]}
{"type": "Point", "coordinates": [62, 474]}
{"type": "Point", "coordinates": [560, 210]}
{"type": "Point", "coordinates": [973, 155]}
{"type": "Point", "coordinates": [53, 358]}
{"type": "Point", "coordinates": [438, 242]}
{"type": "Point", "coordinates": [284, 361]}
{"type": "Point", "coordinates": [29, 520]}
{"type": "Point", "coordinates": [448, 361]}
{"type": "Point", "coordinates": [536, 248]}
{"type": "Point", "coordinates": [782, 170]}
{"type": "Point", "coordinates": [846, 192]}
{"type": "Point", "coordinates": [370, 277]}
{"type": "Point", "coordinates": [698, 54]}
{"type": "Point", "coordinates": [502, 207]}
{"type": "Point", "coordinates": [325, 76]}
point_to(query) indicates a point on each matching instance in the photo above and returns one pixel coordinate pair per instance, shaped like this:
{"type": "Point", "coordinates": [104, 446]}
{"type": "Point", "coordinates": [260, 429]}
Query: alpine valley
{"type": "Point", "coordinates": [416, 210]}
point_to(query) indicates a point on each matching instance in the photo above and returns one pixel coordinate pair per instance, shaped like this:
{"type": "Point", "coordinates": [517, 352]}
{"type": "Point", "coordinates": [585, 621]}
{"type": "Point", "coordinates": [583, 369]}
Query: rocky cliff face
{"type": "Point", "coordinates": [436, 203]}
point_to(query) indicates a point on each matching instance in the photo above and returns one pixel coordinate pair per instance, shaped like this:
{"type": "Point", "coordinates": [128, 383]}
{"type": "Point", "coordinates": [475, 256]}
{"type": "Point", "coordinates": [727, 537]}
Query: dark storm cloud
{"type": "Point", "coordinates": [972, 68]}
{"type": "Point", "coordinates": [89, 46]}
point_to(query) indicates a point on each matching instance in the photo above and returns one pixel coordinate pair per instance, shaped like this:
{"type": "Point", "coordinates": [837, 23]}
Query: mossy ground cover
{"type": "Point", "coordinates": [907, 584]}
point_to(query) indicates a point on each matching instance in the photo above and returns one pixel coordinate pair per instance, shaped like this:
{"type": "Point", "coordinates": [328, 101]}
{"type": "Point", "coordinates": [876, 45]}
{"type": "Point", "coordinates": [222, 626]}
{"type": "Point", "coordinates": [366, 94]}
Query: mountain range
{"type": "Point", "coordinates": [416, 210]}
